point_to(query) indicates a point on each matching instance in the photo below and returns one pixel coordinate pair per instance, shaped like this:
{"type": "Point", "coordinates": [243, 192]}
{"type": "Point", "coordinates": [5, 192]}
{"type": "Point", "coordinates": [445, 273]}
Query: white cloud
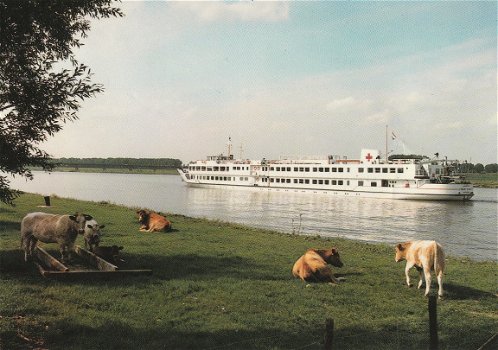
{"type": "Point", "coordinates": [210, 11]}
{"type": "Point", "coordinates": [341, 104]}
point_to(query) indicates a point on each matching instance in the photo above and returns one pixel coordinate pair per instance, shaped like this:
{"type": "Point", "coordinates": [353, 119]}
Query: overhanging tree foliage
{"type": "Point", "coordinates": [36, 96]}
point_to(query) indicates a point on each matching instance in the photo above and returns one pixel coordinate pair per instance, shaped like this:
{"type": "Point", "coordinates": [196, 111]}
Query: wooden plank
{"type": "Point", "coordinates": [94, 260]}
{"type": "Point", "coordinates": [49, 260]}
{"type": "Point", "coordinates": [50, 267]}
{"type": "Point", "coordinates": [82, 274]}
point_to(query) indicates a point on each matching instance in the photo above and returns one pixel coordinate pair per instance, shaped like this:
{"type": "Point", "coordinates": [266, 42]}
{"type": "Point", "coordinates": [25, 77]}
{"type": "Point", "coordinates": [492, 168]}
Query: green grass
{"type": "Point", "coordinates": [217, 285]}
{"type": "Point", "coordinates": [483, 180]}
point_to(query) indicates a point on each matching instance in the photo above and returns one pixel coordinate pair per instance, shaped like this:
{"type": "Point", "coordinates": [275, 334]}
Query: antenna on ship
{"type": "Point", "coordinates": [229, 145]}
{"type": "Point", "coordinates": [387, 126]}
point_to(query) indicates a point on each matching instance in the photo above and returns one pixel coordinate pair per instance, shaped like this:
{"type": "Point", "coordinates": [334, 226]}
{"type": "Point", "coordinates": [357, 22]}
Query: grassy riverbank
{"type": "Point", "coordinates": [115, 171]}
{"type": "Point", "coordinates": [483, 180]}
{"type": "Point", "coordinates": [222, 286]}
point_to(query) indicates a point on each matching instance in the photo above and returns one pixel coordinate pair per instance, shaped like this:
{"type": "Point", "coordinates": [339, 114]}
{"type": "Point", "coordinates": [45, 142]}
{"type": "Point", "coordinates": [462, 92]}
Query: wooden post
{"type": "Point", "coordinates": [47, 200]}
{"type": "Point", "coordinates": [433, 337]}
{"type": "Point", "coordinates": [329, 333]}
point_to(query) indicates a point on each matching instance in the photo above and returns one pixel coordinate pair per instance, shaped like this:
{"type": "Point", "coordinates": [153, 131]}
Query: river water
{"type": "Point", "coordinates": [463, 228]}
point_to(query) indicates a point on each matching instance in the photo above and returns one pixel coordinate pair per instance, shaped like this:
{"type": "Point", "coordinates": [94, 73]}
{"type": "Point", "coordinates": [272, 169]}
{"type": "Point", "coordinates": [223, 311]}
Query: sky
{"type": "Point", "coordinates": [289, 78]}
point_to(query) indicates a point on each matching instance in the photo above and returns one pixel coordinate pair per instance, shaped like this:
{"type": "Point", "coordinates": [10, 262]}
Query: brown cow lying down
{"type": "Point", "coordinates": [151, 221]}
{"type": "Point", "coordinates": [426, 256]}
{"type": "Point", "coordinates": [110, 254]}
{"type": "Point", "coordinates": [51, 228]}
{"type": "Point", "coordinates": [312, 266]}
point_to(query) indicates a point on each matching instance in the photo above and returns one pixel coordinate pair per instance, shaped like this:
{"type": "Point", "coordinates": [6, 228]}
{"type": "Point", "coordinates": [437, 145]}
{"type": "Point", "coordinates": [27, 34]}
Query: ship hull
{"type": "Point", "coordinates": [427, 192]}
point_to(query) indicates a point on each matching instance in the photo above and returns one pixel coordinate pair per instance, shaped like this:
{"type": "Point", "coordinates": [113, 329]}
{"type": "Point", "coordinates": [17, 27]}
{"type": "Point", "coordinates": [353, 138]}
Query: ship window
{"type": "Point", "coordinates": [295, 169]}
{"type": "Point", "coordinates": [301, 169]}
{"type": "Point", "coordinates": [370, 170]}
{"type": "Point", "coordinates": [212, 177]}
{"type": "Point", "coordinates": [341, 170]}
{"type": "Point", "coordinates": [306, 181]}
{"type": "Point", "coordinates": [392, 170]}
{"type": "Point", "coordinates": [277, 180]}
{"type": "Point", "coordinates": [334, 170]}
{"type": "Point", "coordinates": [272, 180]}
{"type": "Point", "coordinates": [307, 170]}
{"type": "Point", "coordinates": [315, 170]}
{"type": "Point", "coordinates": [373, 184]}
{"type": "Point", "coordinates": [360, 170]}
{"type": "Point", "coordinates": [377, 170]}
{"type": "Point", "coordinates": [334, 182]}
{"type": "Point", "coordinates": [349, 170]}
{"type": "Point", "coordinates": [340, 182]}
{"type": "Point", "coordinates": [384, 170]}
{"type": "Point", "coordinates": [320, 170]}
{"type": "Point", "coordinates": [360, 183]}
{"type": "Point", "coordinates": [385, 183]}
{"type": "Point", "coordinates": [241, 178]}
{"type": "Point", "coordinates": [320, 182]}
{"type": "Point", "coordinates": [295, 181]}
{"type": "Point", "coordinates": [272, 168]}
{"type": "Point", "coordinates": [216, 168]}
{"type": "Point", "coordinates": [314, 181]}
{"type": "Point", "coordinates": [347, 182]}
{"type": "Point", "coordinates": [288, 169]}
{"type": "Point", "coordinates": [400, 170]}
{"type": "Point", "coordinates": [301, 181]}
{"type": "Point", "coordinates": [209, 169]}
{"type": "Point", "coordinates": [327, 170]}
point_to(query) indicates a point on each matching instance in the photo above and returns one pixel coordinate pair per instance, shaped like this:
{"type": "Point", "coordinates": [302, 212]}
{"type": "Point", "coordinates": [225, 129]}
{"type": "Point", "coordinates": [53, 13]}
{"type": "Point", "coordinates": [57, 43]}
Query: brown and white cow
{"type": "Point", "coordinates": [51, 228]}
{"type": "Point", "coordinates": [425, 256]}
{"type": "Point", "coordinates": [92, 234]}
{"type": "Point", "coordinates": [312, 266]}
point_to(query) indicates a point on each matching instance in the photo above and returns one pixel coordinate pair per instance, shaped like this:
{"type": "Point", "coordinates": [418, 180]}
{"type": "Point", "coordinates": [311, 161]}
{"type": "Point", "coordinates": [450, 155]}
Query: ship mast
{"type": "Point", "coordinates": [386, 144]}
{"type": "Point", "coordinates": [229, 146]}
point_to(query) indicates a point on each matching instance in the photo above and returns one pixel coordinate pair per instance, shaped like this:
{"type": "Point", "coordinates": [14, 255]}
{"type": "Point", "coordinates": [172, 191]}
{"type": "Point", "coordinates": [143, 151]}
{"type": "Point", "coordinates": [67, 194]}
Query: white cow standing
{"type": "Point", "coordinates": [51, 228]}
{"type": "Point", "coordinates": [424, 256]}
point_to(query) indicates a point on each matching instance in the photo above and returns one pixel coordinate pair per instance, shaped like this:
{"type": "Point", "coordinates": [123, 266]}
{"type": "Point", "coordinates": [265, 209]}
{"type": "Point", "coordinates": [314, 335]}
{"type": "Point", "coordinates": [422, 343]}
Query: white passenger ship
{"type": "Point", "coordinates": [368, 176]}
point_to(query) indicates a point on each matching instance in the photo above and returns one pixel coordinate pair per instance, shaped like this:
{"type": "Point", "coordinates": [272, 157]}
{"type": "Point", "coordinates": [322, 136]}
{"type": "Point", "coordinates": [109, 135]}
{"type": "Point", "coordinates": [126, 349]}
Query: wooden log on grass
{"type": "Point", "coordinates": [94, 260]}
{"type": "Point", "coordinates": [48, 260]}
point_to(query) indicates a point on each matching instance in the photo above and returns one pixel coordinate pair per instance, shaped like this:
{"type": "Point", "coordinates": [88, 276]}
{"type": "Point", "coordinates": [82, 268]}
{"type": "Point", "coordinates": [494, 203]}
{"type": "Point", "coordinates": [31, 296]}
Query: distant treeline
{"type": "Point", "coordinates": [464, 167]}
{"type": "Point", "coordinates": [118, 162]}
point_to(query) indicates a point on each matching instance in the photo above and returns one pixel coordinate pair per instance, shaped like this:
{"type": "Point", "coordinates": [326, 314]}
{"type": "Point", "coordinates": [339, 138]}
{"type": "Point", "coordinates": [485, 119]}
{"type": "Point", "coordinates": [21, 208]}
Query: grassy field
{"type": "Point", "coordinates": [222, 286]}
{"type": "Point", "coordinates": [483, 180]}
